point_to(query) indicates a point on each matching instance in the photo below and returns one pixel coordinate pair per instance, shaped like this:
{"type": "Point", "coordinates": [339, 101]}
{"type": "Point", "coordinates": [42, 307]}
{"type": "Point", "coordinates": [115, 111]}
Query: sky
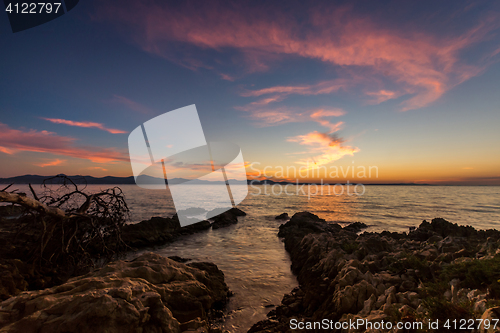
{"type": "Point", "coordinates": [309, 91]}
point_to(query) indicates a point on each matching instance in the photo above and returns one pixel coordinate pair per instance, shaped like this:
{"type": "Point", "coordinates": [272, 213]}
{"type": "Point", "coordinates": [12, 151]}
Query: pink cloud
{"type": "Point", "coordinates": [6, 150]}
{"type": "Point", "coordinates": [422, 65]}
{"type": "Point", "coordinates": [382, 96]}
{"type": "Point", "coordinates": [131, 104]}
{"type": "Point", "coordinates": [324, 87]}
{"type": "Point", "coordinates": [85, 124]}
{"type": "Point", "coordinates": [265, 116]}
{"type": "Point", "coordinates": [51, 163]}
{"type": "Point", "coordinates": [226, 77]}
{"type": "Point", "coordinates": [49, 142]}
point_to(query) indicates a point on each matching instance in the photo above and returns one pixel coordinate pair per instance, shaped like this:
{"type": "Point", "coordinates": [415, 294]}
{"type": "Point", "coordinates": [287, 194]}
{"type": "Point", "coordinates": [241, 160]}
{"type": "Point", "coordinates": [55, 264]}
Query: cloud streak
{"type": "Point", "coordinates": [51, 163]}
{"type": "Point", "coordinates": [84, 124]}
{"type": "Point", "coordinates": [49, 142]}
{"type": "Point", "coordinates": [132, 105]}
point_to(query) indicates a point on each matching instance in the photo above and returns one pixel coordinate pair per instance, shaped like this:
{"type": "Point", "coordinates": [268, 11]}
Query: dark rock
{"type": "Point", "coordinates": [283, 216]}
{"type": "Point", "coordinates": [444, 228]}
{"type": "Point", "coordinates": [161, 230]}
{"type": "Point", "coordinates": [195, 227]}
{"type": "Point", "coordinates": [227, 218]}
{"type": "Point", "coordinates": [224, 220]}
{"type": "Point", "coordinates": [237, 212]}
{"type": "Point", "coordinates": [179, 259]}
{"type": "Point", "coordinates": [356, 226]}
{"type": "Point", "coordinates": [233, 211]}
{"type": "Point", "coordinates": [157, 230]}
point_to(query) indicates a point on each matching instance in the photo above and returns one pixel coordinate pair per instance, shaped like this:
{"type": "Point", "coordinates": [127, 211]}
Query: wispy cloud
{"type": "Point", "coordinates": [422, 66]}
{"type": "Point", "coordinates": [382, 96]}
{"type": "Point", "coordinates": [50, 163]}
{"type": "Point", "coordinates": [273, 116]}
{"type": "Point", "coordinates": [49, 142]}
{"type": "Point", "coordinates": [85, 124]}
{"type": "Point", "coordinates": [97, 168]}
{"type": "Point", "coordinates": [132, 105]}
{"type": "Point", "coordinates": [6, 150]}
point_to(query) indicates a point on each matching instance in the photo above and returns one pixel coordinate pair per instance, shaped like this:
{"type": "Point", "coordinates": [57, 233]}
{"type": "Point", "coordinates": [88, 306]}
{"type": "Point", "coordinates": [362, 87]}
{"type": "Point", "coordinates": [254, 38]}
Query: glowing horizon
{"type": "Point", "coordinates": [411, 91]}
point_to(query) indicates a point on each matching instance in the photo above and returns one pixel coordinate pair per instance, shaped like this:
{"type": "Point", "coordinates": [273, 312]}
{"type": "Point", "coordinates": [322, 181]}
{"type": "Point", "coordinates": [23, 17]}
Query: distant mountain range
{"type": "Point", "coordinates": [111, 180]}
{"type": "Point", "coordinates": [108, 180]}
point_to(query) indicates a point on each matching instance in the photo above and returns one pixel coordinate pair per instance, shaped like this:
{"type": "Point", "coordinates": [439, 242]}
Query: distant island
{"type": "Point", "coordinates": [144, 179]}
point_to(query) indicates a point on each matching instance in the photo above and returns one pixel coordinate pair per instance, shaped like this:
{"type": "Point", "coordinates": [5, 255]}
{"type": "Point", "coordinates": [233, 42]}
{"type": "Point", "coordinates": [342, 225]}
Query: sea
{"type": "Point", "coordinates": [252, 257]}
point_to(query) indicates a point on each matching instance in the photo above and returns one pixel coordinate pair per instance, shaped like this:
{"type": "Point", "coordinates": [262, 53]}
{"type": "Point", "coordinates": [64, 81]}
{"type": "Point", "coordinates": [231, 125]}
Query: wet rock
{"type": "Point", "coordinates": [161, 230]}
{"type": "Point", "coordinates": [237, 212]}
{"type": "Point", "coordinates": [224, 220]}
{"type": "Point", "coordinates": [157, 230]}
{"type": "Point", "coordinates": [283, 216]}
{"type": "Point", "coordinates": [148, 294]}
{"type": "Point", "coordinates": [227, 218]}
{"type": "Point", "coordinates": [356, 227]}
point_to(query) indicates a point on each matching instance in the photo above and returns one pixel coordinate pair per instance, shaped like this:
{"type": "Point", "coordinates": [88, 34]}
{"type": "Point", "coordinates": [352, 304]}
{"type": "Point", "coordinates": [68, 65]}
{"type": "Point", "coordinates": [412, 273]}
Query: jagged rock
{"type": "Point", "coordinates": [374, 276]}
{"type": "Point", "coordinates": [283, 216]}
{"type": "Point", "coordinates": [161, 230]}
{"type": "Point", "coordinates": [237, 212]}
{"type": "Point", "coordinates": [148, 294]}
{"type": "Point", "coordinates": [227, 218]}
{"type": "Point", "coordinates": [224, 220]}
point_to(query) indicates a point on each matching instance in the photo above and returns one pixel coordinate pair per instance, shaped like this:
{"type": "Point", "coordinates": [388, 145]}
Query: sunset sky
{"type": "Point", "coordinates": [412, 88]}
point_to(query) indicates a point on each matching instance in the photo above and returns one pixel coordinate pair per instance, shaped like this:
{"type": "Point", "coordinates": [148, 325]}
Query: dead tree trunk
{"type": "Point", "coordinates": [68, 230]}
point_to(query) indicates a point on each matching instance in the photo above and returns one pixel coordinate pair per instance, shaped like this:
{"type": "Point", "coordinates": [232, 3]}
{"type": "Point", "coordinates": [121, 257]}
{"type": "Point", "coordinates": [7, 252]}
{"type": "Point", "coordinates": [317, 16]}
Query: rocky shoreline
{"type": "Point", "coordinates": [438, 271]}
{"type": "Point", "coordinates": [148, 294]}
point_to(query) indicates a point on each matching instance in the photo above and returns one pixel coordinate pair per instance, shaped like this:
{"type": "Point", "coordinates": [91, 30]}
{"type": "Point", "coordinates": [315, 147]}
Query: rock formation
{"type": "Point", "coordinates": [148, 294]}
{"type": "Point", "coordinates": [439, 271]}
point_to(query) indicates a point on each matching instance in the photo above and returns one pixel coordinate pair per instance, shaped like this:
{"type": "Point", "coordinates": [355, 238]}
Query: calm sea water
{"type": "Point", "coordinates": [253, 259]}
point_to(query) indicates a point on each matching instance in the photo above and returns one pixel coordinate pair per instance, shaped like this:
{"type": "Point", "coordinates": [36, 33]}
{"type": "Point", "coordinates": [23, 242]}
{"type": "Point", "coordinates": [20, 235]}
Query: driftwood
{"type": "Point", "coordinates": [31, 204]}
{"type": "Point", "coordinates": [67, 229]}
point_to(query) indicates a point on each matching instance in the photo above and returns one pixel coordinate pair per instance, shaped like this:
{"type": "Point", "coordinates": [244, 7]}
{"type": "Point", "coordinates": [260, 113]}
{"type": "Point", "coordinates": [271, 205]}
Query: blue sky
{"type": "Point", "coordinates": [411, 88]}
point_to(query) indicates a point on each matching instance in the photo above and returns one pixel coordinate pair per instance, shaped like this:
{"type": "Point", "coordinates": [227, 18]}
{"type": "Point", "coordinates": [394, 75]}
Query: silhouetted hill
{"type": "Point", "coordinates": [109, 180]}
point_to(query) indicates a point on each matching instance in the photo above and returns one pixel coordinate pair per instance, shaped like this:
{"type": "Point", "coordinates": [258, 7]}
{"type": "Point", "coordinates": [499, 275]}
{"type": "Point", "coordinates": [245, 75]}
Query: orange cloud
{"type": "Point", "coordinates": [326, 148]}
{"type": "Point", "coordinates": [423, 66]}
{"type": "Point", "coordinates": [85, 124]}
{"type": "Point", "coordinates": [6, 150]}
{"type": "Point", "coordinates": [49, 142]}
{"type": "Point", "coordinates": [51, 163]}
{"type": "Point", "coordinates": [97, 168]}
